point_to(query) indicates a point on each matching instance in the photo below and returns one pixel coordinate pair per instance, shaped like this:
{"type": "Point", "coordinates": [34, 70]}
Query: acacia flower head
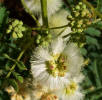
{"type": "Point", "coordinates": [52, 6]}
{"type": "Point", "coordinates": [57, 20]}
{"type": "Point", "coordinates": [72, 91]}
{"type": "Point", "coordinates": [53, 66]}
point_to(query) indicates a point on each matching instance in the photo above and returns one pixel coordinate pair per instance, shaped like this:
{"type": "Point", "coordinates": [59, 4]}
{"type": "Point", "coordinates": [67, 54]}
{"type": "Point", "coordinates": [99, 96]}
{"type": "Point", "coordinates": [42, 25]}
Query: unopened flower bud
{"type": "Point", "coordinates": [78, 25]}
{"type": "Point", "coordinates": [20, 23]}
{"type": "Point", "coordinates": [84, 6]}
{"type": "Point", "coordinates": [80, 3]}
{"type": "Point", "coordinates": [10, 27]}
{"type": "Point", "coordinates": [80, 22]}
{"type": "Point", "coordinates": [77, 14]}
{"type": "Point", "coordinates": [20, 35]}
{"type": "Point", "coordinates": [23, 28]}
{"type": "Point", "coordinates": [69, 17]}
{"type": "Point", "coordinates": [77, 7]}
{"type": "Point", "coordinates": [14, 35]}
{"type": "Point", "coordinates": [16, 22]}
{"type": "Point", "coordinates": [16, 29]}
{"type": "Point", "coordinates": [39, 37]}
{"type": "Point", "coordinates": [79, 30]}
{"type": "Point", "coordinates": [8, 31]}
{"type": "Point", "coordinates": [37, 41]}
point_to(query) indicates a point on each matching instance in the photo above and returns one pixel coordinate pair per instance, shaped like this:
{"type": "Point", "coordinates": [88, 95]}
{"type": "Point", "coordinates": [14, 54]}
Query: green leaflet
{"type": "Point", "coordinates": [14, 84]}
{"type": "Point", "coordinates": [18, 77]}
{"type": "Point", "coordinates": [93, 32]}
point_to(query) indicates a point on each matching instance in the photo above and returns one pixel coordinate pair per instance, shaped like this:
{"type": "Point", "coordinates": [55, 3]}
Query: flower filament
{"type": "Point", "coordinates": [57, 66]}
{"type": "Point", "coordinates": [71, 88]}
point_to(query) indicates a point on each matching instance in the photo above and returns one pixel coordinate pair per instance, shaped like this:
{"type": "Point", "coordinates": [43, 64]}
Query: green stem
{"type": "Point", "coordinates": [92, 9]}
{"type": "Point", "coordinates": [44, 12]}
{"type": "Point", "coordinates": [52, 28]}
{"type": "Point", "coordinates": [97, 4]}
{"type": "Point", "coordinates": [28, 11]}
{"type": "Point", "coordinates": [13, 67]}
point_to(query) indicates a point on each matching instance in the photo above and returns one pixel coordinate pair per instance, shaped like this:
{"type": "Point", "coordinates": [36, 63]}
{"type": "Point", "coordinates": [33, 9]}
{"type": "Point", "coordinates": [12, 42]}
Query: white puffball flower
{"type": "Point", "coordinates": [72, 91]}
{"type": "Point", "coordinates": [52, 5]}
{"type": "Point", "coordinates": [53, 66]}
{"type": "Point", "coordinates": [57, 20]}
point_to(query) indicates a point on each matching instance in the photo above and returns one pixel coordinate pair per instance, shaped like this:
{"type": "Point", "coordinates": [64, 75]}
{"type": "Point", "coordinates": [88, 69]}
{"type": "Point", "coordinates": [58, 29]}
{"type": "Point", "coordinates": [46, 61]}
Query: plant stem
{"type": "Point", "coordinates": [28, 11]}
{"type": "Point", "coordinates": [92, 9]}
{"type": "Point", "coordinates": [52, 28]}
{"type": "Point", "coordinates": [44, 12]}
{"type": "Point", "coordinates": [13, 67]}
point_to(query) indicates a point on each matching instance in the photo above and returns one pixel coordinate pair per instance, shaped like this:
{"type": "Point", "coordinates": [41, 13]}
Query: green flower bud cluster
{"type": "Point", "coordinates": [44, 38]}
{"type": "Point", "coordinates": [80, 18]}
{"type": "Point", "coordinates": [78, 39]}
{"type": "Point", "coordinates": [16, 28]}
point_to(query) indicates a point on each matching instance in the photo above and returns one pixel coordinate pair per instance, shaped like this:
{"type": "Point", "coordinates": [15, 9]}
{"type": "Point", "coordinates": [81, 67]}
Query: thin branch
{"type": "Point", "coordinates": [51, 28]}
{"type": "Point", "coordinates": [13, 67]}
{"type": "Point", "coordinates": [94, 11]}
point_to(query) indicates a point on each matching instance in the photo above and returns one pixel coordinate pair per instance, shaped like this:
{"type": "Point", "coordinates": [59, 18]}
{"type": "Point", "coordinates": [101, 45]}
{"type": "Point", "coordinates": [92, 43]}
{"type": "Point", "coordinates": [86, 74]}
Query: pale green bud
{"type": "Point", "coordinates": [83, 13]}
{"type": "Point", "coordinates": [39, 37]}
{"type": "Point", "coordinates": [77, 14]}
{"type": "Point", "coordinates": [72, 23]}
{"type": "Point", "coordinates": [20, 35]}
{"type": "Point", "coordinates": [37, 41]}
{"type": "Point", "coordinates": [84, 6]}
{"type": "Point", "coordinates": [69, 17]}
{"type": "Point", "coordinates": [80, 22]}
{"type": "Point", "coordinates": [47, 32]}
{"type": "Point", "coordinates": [73, 9]}
{"type": "Point", "coordinates": [14, 35]}
{"type": "Point", "coordinates": [19, 27]}
{"type": "Point", "coordinates": [23, 28]}
{"type": "Point", "coordinates": [8, 31]}
{"type": "Point", "coordinates": [78, 25]}
{"type": "Point", "coordinates": [84, 25]}
{"type": "Point", "coordinates": [16, 22]}
{"type": "Point", "coordinates": [45, 43]}
{"type": "Point", "coordinates": [20, 23]}
{"type": "Point", "coordinates": [16, 29]}
{"type": "Point", "coordinates": [80, 3]}
{"type": "Point", "coordinates": [79, 30]}
{"type": "Point", "coordinates": [77, 7]}
{"type": "Point", "coordinates": [10, 27]}
{"type": "Point", "coordinates": [73, 29]}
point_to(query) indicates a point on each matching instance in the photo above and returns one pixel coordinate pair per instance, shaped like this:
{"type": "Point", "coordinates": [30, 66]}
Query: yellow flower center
{"type": "Point", "coordinates": [57, 66]}
{"type": "Point", "coordinates": [71, 88]}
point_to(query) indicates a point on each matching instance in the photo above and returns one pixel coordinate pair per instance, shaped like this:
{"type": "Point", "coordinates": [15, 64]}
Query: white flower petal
{"type": "Point", "coordinates": [74, 58]}
{"type": "Point", "coordinates": [52, 5]}
{"type": "Point", "coordinates": [57, 46]}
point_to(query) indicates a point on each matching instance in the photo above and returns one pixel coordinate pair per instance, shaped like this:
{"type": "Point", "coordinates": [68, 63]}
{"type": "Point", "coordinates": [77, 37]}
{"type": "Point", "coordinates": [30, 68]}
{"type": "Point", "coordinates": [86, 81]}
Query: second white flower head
{"type": "Point", "coordinates": [53, 66]}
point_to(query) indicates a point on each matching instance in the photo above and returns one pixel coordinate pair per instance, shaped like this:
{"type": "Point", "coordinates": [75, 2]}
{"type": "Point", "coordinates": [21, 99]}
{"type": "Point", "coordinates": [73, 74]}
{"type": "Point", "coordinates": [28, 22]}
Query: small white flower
{"type": "Point", "coordinates": [52, 5]}
{"type": "Point", "coordinates": [60, 19]}
{"type": "Point", "coordinates": [57, 20]}
{"type": "Point", "coordinates": [72, 91]}
{"type": "Point", "coordinates": [53, 66]}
